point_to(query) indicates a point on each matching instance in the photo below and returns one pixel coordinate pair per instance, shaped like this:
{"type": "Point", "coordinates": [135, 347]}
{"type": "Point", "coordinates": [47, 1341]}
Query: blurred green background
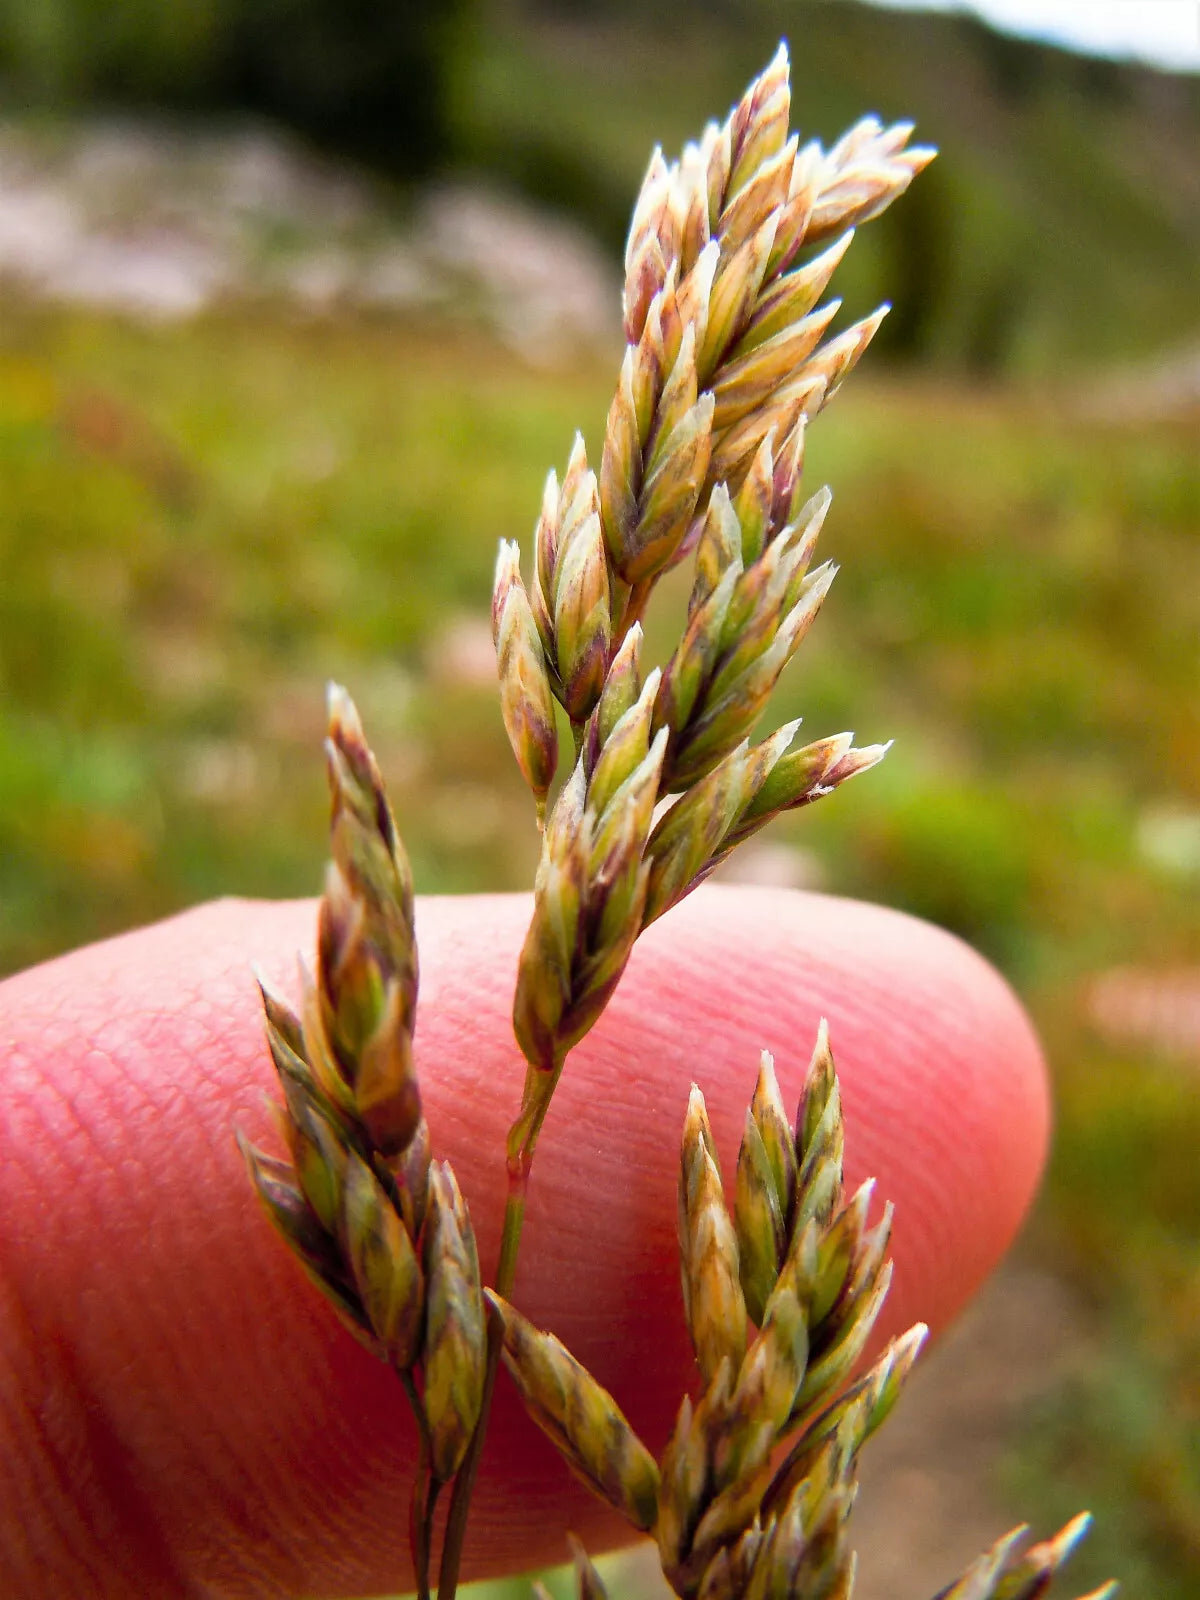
{"type": "Point", "coordinates": [205, 516]}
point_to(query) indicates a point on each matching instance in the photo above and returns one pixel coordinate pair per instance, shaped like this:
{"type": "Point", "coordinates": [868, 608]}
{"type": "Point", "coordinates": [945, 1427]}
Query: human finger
{"type": "Point", "coordinates": [182, 1414]}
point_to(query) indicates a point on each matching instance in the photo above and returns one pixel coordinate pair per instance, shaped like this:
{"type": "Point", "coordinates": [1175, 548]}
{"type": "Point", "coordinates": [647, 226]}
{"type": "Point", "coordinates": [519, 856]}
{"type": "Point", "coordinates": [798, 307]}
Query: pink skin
{"type": "Point", "coordinates": [181, 1414]}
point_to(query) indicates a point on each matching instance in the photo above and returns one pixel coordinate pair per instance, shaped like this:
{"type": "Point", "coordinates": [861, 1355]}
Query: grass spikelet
{"type": "Point", "coordinates": [708, 1251]}
{"type": "Point", "coordinates": [526, 698]}
{"type": "Point", "coordinates": [455, 1337]}
{"type": "Point", "coordinates": [580, 1417]}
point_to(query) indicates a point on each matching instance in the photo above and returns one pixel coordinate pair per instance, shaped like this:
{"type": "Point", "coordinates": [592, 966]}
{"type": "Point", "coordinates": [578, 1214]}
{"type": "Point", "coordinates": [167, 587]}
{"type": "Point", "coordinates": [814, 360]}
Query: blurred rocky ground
{"type": "Point", "coordinates": [160, 221]}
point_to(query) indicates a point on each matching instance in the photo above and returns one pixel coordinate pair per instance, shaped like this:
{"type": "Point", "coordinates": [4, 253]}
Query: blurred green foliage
{"type": "Point", "coordinates": [366, 76]}
{"type": "Point", "coordinates": [200, 524]}
{"type": "Point", "coordinates": [1061, 222]}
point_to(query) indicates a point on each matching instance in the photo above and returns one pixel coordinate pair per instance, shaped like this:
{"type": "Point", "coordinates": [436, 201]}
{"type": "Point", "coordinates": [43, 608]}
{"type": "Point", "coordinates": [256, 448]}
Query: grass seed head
{"type": "Point", "coordinates": [757, 126]}
{"type": "Point", "coordinates": [868, 168]}
{"type": "Point", "coordinates": [791, 296]}
{"type": "Point", "coordinates": [724, 362]}
{"type": "Point", "coordinates": [319, 1153]}
{"type": "Point", "coordinates": [718, 546]}
{"type": "Point", "coordinates": [622, 690]}
{"type": "Point", "coordinates": [729, 355]}
{"type": "Point", "coordinates": [590, 891]}
{"type": "Point", "coordinates": [571, 599]}
{"type": "Point", "coordinates": [737, 280]}
{"type": "Point", "coordinates": [1006, 1572]}
{"type": "Point", "coordinates": [316, 1251]}
{"type": "Point", "coordinates": [643, 541]}
{"type": "Point", "coordinates": [546, 970]}
{"type": "Point", "coordinates": [582, 619]}
{"type": "Point", "coordinates": [758, 1221]}
{"type": "Point", "coordinates": [766, 1191]}
{"type": "Point", "coordinates": [687, 837]}
{"type": "Point", "coordinates": [774, 1365]}
{"type": "Point", "coordinates": [807, 1555]}
{"type": "Point", "coordinates": [820, 1133]}
{"type": "Point", "coordinates": [624, 749]}
{"type": "Point", "coordinates": [750, 377]}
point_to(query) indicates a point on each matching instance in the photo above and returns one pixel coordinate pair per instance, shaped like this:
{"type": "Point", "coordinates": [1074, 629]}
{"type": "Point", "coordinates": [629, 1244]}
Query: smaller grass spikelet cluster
{"type": "Point", "coordinates": [378, 1224]}
{"type": "Point", "coordinates": [752, 1494]}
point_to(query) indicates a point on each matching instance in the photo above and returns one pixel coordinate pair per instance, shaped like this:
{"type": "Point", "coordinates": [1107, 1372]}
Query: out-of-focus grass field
{"type": "Point", "coordinates": [202, 524]}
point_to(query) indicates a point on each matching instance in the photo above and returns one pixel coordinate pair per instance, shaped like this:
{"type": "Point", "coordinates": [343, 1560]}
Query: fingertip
{"type": "Point", "coordinates": [131, 1064]}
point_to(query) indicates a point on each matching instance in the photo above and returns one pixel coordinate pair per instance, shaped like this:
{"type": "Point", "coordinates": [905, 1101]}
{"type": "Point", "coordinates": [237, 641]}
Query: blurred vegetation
{"type": "Point", "coordinates": [1061, 225]}
{"type": "Point", "coordinates": [1063, 222]}
{"type": "Point", "coordinates": [200, 524]}
{"type": "Point", "coordinates": [368, 77]}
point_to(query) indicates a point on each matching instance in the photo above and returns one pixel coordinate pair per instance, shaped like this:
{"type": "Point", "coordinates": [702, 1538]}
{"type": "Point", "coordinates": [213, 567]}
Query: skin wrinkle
{"type": "Point", "coordinates": [276, 1452]}
{"type": "Point", "coordinates": [27, 1470]}
{"type": "Point", "coordinates": [100, 1477]}
{"type": "Point", "coordinates": [99, 1473]}
{"type": "Point", "coordinates": [38, 1405]}
{"type": "Point", "coordinates": [126, 1314]}
{"type": "Point", "coordinates": [99, 1306]}
{"type": "Point", "coordinates": [102, 1536]}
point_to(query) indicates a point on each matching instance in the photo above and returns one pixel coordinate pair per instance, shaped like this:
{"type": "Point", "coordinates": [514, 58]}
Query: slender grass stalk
{"type": "Point", "coordinates": [424, 1495]}
{"type": "Point", "coordinates": [464, 1484]}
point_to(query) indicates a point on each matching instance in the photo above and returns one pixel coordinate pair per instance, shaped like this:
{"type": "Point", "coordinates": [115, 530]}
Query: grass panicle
{"type": "Point", "coordinates": [714, 245]}
{"type": "Point", "coordinates": [1009, 1572]}
{"type": "Point", "coordinates": [724, 364]}
{"type": "Point", "coordinates": [729, 354]}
